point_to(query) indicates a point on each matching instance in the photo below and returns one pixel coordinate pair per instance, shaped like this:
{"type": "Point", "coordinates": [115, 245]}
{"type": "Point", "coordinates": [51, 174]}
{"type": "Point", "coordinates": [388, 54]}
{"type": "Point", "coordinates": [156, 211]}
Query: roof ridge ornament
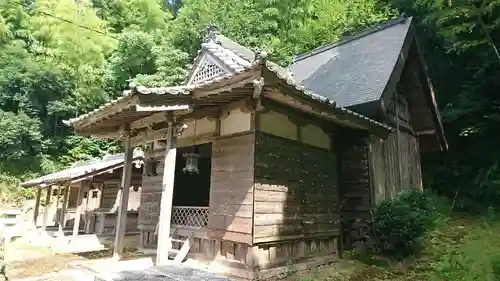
{"type": "Point", "coordinates": [260, 57]}
{"type": "Point", "coordinates": [211, 33]}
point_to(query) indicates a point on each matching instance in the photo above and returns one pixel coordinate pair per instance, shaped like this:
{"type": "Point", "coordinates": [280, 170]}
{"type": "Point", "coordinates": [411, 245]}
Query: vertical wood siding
{"type": "Point", "coordinates": [231, 189]}
{"type": "Point", "coordinates": [149, 211]}
{"type": "Point", "coordinates": [390, 175]}
{"type": "Point", "coordinates": [355, 188]}
{"type": "Point", "coordinates": [109, 200]}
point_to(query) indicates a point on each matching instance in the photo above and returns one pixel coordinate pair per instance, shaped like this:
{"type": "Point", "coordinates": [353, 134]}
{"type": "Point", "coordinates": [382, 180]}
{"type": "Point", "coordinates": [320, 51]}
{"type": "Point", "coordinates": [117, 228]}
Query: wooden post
{"type": "Point", "coordinates": [57, 204]}
{"type": "Point", "coordinates": [86, 215]}
{"type": "Point", "coordinates": [164, 243]}
{"type": "Point", "coordinates": [37, 204]}
{"type": "Point", "coordinates": [47, 207]}
{"type": "Point", "coordinates": [121, 222]}
{"type": "Point", "coordinates": [3, 276]}
{"type": "Point", "coordinates": [398, 147]}
{"type": "Point", "coordinates": [79, 207]}
{"type": "Point", "coordinates": [62, 218]}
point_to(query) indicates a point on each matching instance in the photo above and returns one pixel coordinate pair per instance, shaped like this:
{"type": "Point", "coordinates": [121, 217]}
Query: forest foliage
{"type": "Point", "coordinates": [61, 58]}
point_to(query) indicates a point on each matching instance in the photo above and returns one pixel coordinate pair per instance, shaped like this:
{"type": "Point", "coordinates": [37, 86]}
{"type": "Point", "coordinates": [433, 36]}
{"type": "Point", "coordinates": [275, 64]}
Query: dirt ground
{"type": "Point", "coordinates": [25, 260]}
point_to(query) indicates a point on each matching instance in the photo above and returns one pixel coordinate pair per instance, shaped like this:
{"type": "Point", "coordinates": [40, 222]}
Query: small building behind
{"type": "Point", "coordinates": [88, 194]}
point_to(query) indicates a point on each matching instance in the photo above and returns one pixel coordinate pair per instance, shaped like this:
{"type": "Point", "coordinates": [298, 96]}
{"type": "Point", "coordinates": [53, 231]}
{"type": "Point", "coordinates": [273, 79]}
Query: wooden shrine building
{"type": "Point", "coordinates": [87, 196]}
{"type": "Point", "coordinates": [248, 168]}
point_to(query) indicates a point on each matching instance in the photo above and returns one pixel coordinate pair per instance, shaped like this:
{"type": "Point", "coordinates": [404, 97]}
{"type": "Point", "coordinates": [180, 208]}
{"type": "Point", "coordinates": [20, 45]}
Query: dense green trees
{"type": "Point", "coordinates": [60, 58]}
{"type": "Point", "coordinates": [460, 40]}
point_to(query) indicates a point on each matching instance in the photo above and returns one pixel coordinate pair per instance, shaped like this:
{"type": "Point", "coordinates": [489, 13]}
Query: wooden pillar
{"type": "Point", "coordinates": [79, 207]}
{"type": "Point", "coordinates": [121, 222]}
{"type": "Point", "coordinates": [164, 243]}
{"type": "Point", "coordinates": [87, 215]}
{"type": "Point", "coordinates": [3, 276]}
{"type": "Point", "coordinates": [37, 204]}
{"type": "Point", "coordinates": [47, 207]}
{"type": "Point", "coordinates": [58, 194]}
{"type": "Point", "coordinates": [398, 146]}
{"type": "Point", "coordinates": [62, 217]}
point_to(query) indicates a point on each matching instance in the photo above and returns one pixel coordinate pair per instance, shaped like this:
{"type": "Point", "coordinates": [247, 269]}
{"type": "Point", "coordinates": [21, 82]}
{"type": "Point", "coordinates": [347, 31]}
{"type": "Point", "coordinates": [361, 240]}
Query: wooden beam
{"type": "Point", "coordinates": [163, 108]}
{"type": "Point", "coordinates": [47, 206]}
{"type": "Point", "coordinates": [147, 121]}
{"type": "Point", "coordinates": [164, 242]}
{"type": "Point", "coordinates": [62, 218]}
{"type": "Point", "coordinates": [149, 135]}
{"type": "Point", "coordinates": [229, 85]}
{"type": "Point", "coordinates": [108, 134]}
{"type": "Point", "coordinates": [123, 207]}
{"type": "Point", "coordinates": [37, 204]}
{"type": "Point", "coordinates": [426, 132]}
{"type": "Point", "coordinates": [116, 108]}
{"type": "Point", "coordinates": [160, 130]}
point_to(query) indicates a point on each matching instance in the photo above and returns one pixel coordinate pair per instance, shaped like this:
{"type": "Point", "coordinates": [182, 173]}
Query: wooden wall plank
{"type": "Point", "coordinates": [355, 192]}
{"type": "Point", "coordinates": [291, 197]}
{"type": "Point", "coordinates": [231, 190]}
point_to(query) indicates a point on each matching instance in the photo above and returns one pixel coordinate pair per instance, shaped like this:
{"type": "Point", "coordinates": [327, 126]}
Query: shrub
{"type": "Point", "coordinates": [400, 224]}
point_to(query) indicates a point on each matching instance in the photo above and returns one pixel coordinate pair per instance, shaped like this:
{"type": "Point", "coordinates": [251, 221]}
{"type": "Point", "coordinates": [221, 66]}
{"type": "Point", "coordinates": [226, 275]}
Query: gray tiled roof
{"type": "Point", "coordinates": [356, 70]}
{"type": "Point", "coordinates": [238, 49]}
{"type": "Point", "coordinates": [84, 168]}
{"type": "Point", "coordinates": [227, 56]}
{"type": "Point", "coordinates": [227, 49]}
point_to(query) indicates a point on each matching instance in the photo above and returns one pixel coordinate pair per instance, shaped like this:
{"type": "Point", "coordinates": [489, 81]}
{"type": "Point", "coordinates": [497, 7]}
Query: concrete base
{"type": "Point", "coordinates": [65, 275]}
{"type": "Point", "coordinates": [78, 244]}
{"type": "Point", "coordinates": [164, 273]}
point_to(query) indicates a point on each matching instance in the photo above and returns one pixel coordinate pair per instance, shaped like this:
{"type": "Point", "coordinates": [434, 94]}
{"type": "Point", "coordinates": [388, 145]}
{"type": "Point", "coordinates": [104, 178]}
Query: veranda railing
{"type": "Point", "coordinates": [196, 217]}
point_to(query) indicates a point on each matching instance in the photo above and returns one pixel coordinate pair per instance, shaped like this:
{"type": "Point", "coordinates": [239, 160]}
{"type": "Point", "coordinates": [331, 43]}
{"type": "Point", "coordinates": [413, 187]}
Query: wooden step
{"type": "Point", "coordinates": [182, 254]}
{"type": "Point", "coordinates": [173, 253]}
{"type": "Point", "coordinates": [177, 240]}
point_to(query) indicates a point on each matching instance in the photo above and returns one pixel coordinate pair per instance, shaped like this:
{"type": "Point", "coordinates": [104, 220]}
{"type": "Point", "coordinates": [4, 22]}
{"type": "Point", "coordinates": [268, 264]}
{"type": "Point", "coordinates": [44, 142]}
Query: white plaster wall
{"type": "Point", "coordinates": [237, 121]}
{"type": "Point", "coordinates": [203, 126]}
{"type": "Point", "coordinates": [315, 136]}
{"type": "Point", "coordinates": [277, 124]}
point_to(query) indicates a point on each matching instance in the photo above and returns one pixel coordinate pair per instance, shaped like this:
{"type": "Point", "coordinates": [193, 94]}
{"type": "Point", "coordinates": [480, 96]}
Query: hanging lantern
{"type": "Point", "coordinates": [192, 158]}
{"type": "Point", "coordinates": [191, 163]}
{"type": "Point", "coordinates": [138, 156]}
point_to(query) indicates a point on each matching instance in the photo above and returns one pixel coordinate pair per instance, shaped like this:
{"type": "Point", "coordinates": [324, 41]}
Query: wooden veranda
{"type": "Point", "coordinates": [86, 196]}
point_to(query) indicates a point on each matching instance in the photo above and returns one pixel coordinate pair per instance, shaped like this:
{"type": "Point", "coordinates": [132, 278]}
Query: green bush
{"type": "Point", "coordinates": [400, 224]}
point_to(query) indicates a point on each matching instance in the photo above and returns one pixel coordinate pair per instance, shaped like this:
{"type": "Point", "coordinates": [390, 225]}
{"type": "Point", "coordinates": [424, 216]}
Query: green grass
{"type": "Point", "coordinates": [12, 195]}
{"type": "Point", "coordinates": [461, 248]}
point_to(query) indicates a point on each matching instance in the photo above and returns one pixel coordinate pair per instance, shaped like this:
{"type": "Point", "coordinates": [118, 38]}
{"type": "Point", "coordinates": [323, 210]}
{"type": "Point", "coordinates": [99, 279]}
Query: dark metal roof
{"type": "Point", "coordinates": [355, 70]}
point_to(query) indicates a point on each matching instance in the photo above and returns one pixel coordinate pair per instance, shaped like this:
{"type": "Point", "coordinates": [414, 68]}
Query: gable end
{"type": "Point", "coordinates": [207, 68]}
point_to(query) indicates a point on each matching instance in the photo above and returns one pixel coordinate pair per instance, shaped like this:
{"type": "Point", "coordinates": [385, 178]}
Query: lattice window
{"type": "Point", "coordinates": [190, 216]}
{"type": "Point", "coordinates": [207, 71]}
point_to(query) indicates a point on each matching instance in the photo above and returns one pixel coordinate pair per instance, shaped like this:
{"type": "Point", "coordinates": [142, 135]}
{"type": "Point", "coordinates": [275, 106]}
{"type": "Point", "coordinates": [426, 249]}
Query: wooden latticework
{"type": "Point", "coordinates": [190, 216]}
{"type": "Point", "coordinates": [207, 71]}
